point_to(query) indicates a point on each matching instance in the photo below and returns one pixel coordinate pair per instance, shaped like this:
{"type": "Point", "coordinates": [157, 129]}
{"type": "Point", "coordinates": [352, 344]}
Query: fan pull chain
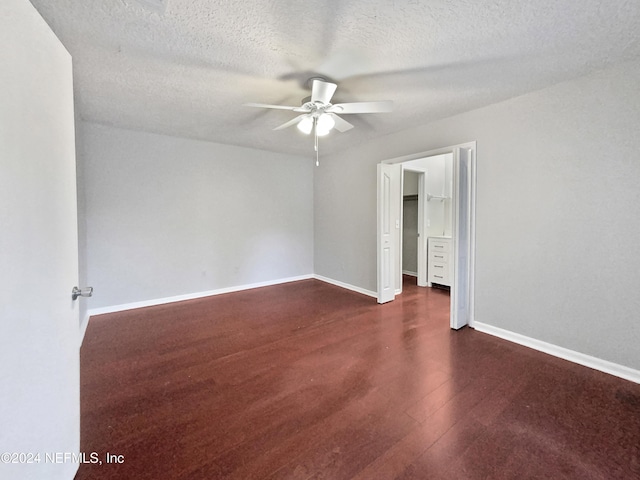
{"type": "Point", "coordinates": [315, 132]}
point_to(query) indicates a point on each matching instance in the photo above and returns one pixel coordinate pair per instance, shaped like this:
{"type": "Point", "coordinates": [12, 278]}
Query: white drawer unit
{"type": "Point", "coordinates": [441, 257]}
{"type": "Point", "coordinates": [439, 266]}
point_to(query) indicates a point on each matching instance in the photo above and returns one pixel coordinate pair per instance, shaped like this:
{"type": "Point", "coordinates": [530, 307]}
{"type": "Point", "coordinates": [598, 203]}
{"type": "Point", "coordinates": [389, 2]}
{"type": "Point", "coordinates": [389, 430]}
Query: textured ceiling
{"type": "Point", "coordinates": [185, 67]}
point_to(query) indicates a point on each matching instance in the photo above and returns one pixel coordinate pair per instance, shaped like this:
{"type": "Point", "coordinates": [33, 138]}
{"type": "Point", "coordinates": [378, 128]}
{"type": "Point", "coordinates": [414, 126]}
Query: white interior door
{"type": "Point", "coordinates": [460, 291]}
{"type": "Point", "coordinates": [422, 230]}
{"type": "Point", "coordinates": [389, 178]}
{"type": "Point", "coordinates": [39, 327]}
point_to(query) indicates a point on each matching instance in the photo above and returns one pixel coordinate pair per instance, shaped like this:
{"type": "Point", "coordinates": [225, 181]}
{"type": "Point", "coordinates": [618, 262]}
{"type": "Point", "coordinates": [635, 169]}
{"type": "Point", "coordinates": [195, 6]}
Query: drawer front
{"type": "Point", "coordinates": [438, 245]}
{"type": "Point", "coordinates": [438, 257]}
{"type": "Point", "coordinates": [439, 273]}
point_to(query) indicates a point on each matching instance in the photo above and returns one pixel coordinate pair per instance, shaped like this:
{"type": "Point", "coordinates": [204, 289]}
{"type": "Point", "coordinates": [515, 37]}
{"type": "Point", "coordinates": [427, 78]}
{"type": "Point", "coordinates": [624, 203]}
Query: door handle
{"type": "Point", "coordinates": [81, 292]}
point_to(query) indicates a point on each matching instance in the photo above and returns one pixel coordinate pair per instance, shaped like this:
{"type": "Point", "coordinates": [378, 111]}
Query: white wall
{"type": "Point", "coordinates": [171, 216]}
{"type": "Point", "coordinates": [410, 183]}
{"type": "Point", "coordinates": [438, 171]}
{"type": "Point", "coordinates": [557, 211]}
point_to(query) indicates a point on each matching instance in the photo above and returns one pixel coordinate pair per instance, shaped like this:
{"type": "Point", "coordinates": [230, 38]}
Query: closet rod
{"type": "Point", "coordinates": [436, 197]}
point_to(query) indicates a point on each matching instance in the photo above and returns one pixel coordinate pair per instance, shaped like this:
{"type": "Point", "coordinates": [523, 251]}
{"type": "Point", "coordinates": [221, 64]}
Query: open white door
{"type": "Point", "coordinates": [460, 291]}
{"type": "Point", "coordinates": [39, 327]}
{"type": "Point", "coordinates": [389, 178]}
{"type": "Point", "coordinates": [422, 230]}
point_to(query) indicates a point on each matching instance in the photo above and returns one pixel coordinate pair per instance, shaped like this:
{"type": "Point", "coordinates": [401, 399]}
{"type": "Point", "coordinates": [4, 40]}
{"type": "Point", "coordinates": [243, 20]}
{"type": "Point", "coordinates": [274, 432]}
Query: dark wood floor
{"type": "Point", "coordinates": [307, 380]}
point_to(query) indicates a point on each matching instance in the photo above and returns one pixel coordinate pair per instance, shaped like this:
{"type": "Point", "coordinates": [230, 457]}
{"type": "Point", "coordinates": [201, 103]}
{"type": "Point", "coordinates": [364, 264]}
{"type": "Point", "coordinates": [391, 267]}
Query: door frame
{"type": "Point", "coordinates": [471, 192]}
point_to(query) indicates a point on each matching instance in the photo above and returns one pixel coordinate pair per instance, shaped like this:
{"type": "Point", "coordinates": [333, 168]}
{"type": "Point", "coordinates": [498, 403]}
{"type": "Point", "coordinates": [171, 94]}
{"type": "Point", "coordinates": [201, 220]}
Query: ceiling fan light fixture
{"type": "Point", "coordinates": [318, 114]}
{"type": "Point", "coordinates": [305, 125]}
{"type": "Point", "coordinates": [324, 124]}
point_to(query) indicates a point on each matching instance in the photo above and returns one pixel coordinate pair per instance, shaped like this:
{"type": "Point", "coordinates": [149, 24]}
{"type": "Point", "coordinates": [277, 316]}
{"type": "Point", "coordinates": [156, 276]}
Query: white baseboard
{"type": "Point", "coordinates": [192, 296]}
{"type": "Point", "coordinates": [83, 327]}
{"type": "Point", "coordinates": [348, 286]}
{"type": "Point", "coordinates": [576, 357]}
{"type": "Point", "coordinates": [407, 272]}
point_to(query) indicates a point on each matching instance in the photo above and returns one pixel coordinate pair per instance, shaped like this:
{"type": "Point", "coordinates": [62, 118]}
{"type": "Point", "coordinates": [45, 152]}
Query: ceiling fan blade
{"type": "Point", "coordinates": [344, 63]}
{"type": "Point", "coordinates": [293, 121]}
{"type": "Point", "coordinates": [322, 91]}
{"type": "Point", "coordinates": [264, 105]}
{"type": "Point", "coordinates": [341, 124]}
{"type": "Point", "coordinates": [493, 62]}
{"type": "Point", "coordinates": [362, 107]}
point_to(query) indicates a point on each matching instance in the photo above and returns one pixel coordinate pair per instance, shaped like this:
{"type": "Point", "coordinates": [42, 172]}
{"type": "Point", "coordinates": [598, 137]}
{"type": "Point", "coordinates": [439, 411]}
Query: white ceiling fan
{"type": "Point", "coordinates": [317, 113]}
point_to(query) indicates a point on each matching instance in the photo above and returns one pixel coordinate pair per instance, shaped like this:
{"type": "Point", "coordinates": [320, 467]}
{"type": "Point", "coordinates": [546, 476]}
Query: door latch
{"type": "Point", "coordinates": [81, 292]}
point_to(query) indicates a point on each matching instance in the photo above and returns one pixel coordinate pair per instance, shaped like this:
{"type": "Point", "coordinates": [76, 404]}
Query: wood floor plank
{"type": "Point", "coordinates": [308, 380]}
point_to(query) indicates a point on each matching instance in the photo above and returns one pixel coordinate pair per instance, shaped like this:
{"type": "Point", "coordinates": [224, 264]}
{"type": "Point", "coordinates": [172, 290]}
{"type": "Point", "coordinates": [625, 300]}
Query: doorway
{"type": "Point", "coordinates": [410, 232]}
{"type": "Point", "coordinates": [458, 197]}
